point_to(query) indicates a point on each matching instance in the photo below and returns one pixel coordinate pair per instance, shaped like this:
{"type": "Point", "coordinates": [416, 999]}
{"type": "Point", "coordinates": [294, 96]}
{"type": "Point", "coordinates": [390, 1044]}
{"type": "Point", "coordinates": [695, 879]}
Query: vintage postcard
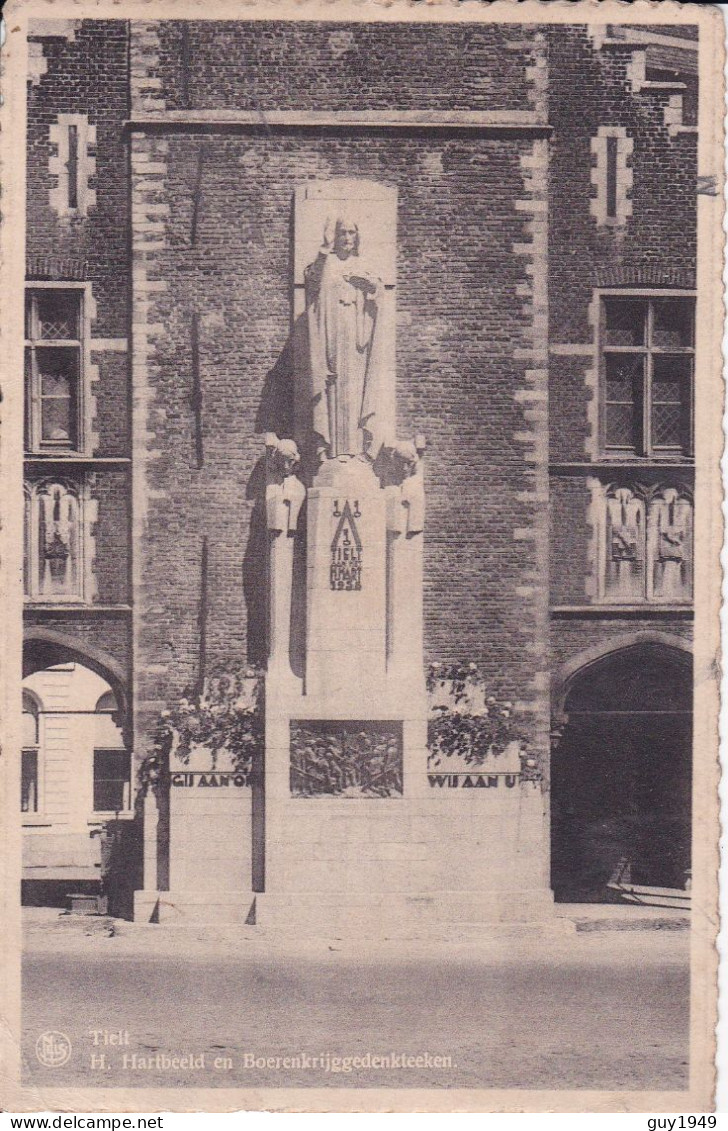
{"type": "Point", "coordinates": [360, 542]}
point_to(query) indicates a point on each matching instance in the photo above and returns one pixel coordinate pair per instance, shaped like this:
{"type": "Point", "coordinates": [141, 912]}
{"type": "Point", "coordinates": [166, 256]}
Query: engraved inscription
{"type": "Point", "coordinates": [346, 549]}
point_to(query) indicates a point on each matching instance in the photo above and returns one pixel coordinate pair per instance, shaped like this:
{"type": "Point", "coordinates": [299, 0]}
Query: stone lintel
{"type": "Point", "coordinates": [622, 612]}
{"type": "Point", "coordinates": [517, 122]}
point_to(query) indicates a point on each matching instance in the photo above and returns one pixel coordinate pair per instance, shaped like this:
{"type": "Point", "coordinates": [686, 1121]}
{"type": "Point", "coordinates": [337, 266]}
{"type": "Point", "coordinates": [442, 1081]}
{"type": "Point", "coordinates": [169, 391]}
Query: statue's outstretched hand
{"type": "Point", "coordinates": [368, 282]}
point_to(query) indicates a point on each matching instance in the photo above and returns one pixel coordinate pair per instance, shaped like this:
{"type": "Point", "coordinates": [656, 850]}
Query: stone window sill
{"type": "Point", "coordinates": [100, 818]}
{"type": "Point", "coordinates": [72, 607]}
{"type": "Point", "coordinates": [646, 609]}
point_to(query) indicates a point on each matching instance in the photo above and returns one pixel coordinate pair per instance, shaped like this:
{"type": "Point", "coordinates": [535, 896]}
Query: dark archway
{"type": "Point", "coordinates": [621, 774]}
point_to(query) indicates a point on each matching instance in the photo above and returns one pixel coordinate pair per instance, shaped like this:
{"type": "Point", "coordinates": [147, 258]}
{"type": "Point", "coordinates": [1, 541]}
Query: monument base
{"type": "Point", "coordinates": [425, 917]}
{"type": "Point", "coordinates": [178, 908]}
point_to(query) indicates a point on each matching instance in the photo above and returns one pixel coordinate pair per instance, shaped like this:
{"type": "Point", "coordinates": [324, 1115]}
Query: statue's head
{"type": "Point", "coordinates": [289, 456]}
{"type": "Point", "coordinates": [346, 237]}
{"type": "Point", "coordinates": [405, 458]}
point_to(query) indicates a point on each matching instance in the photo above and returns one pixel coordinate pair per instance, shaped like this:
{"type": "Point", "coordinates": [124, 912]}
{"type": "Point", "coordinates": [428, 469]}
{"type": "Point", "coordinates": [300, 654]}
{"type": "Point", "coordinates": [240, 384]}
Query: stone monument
{"type": "Point", "coordinates": [356, 837]}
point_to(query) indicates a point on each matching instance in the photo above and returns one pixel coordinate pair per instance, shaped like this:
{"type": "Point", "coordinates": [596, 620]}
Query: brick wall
{"type": "Point", "coordinates": [455, 361]}
{"type": "Point", "coordinates": [111, 534]}
{"type": "Point", "coordinates": [572, 552]}
{"type": "Point", "coordinates": [111, 392]}
{"type": "Point", "coordinates": [86, 73]}
{"type": "Point", "coordinates": [571, 406]}
{"type": "Point", "coordinates": [102, 633]}
{"type": "Point", "coordinates": [212, 242]}
{"type": "Point", "coordinates": [336, 66]}
{"type": "Point", "coordinates": [215, 245]}
{"type": "Point", "coordinates": [589, 89]}
{"type": "Point", "coordinates": [657, 244]}
{"type": "Point", "coordinates": [570, 638]}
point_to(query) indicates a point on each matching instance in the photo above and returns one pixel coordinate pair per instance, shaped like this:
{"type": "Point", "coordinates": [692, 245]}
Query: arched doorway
{"type": "Point", "coordinates": [621, 774]}
{"type": "Point", "coordinates": [77, 791]}
{"type": "Point", "coordinates": [44, 648]}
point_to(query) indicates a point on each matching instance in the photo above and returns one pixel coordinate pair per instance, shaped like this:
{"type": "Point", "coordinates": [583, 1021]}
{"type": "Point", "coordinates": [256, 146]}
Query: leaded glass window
{"type": "Point", "coordinates": [647, 374]}
{"type": "Point", "coordinates": [53, 356]}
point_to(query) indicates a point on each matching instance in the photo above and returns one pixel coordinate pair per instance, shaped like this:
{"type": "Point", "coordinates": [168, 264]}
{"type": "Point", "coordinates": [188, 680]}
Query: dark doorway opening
{"type": "Point", "coordinates": [621, 775]}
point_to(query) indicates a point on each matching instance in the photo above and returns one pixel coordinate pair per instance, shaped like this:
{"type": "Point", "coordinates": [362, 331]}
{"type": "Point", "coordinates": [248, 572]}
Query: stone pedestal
{"type": "Point", "coordinates": [426, 854]}
{"type": "Point", "coordinates": [346, 590]}
{"type": "Point", "coordinates": [210, 847]}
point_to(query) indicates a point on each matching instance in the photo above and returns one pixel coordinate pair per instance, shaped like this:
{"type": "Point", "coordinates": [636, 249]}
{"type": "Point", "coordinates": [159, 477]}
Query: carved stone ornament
{"type": "Point", "coordinates": [284, 492]}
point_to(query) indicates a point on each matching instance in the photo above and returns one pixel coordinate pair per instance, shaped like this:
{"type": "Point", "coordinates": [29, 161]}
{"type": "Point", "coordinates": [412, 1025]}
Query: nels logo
{"type": "Point", "coordinates": [53, 1049]}
{"type": "Point", "coordinates": [346, 551]}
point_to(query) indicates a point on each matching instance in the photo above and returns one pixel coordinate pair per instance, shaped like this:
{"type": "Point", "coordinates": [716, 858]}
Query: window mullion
{"type": "Point", "coordinates": [34, 318]}
{"type": "Point", "coordinates": [36, 428]}
{"type": "Point", "coordinates": [691, 409]}
{"type": "Point", "coordinates": [647, 408]}
{"type": "Point", "coordinates": [80, 405]}
{"type": "Point", "coordinates": [33, 401]}
{"type": "Point", "coordinates": [647, 387]}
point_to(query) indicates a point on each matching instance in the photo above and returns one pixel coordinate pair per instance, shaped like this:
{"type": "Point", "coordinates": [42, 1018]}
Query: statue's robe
{"type": "Point", "coordinates": [346, 370]}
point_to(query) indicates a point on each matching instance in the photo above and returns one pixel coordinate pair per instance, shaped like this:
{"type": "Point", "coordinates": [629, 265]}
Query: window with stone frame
{"type": "Point", "coordinates": [112, 759]}
{"type": "Point", "coordinates": [29, 802]}
{"type": "Point", "coordinates": [54, 541]}
{"type": "Point", "coordinates": [611, 176]}
{"type": "Point", "coordinates": [647, 544]}
{"type": "Point", "coordinates": [54, 370]}
{"type": "Point", "coordinates": [676, 77]}
{"type": "Point", "coordinates": [647, 363]}
{"type": "Point", "coordinates": [112, 780]}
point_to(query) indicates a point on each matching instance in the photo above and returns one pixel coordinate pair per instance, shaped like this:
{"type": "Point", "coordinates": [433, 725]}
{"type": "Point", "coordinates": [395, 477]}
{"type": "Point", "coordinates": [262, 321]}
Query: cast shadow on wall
{"type": "Point", "coordinates": [275, 414]}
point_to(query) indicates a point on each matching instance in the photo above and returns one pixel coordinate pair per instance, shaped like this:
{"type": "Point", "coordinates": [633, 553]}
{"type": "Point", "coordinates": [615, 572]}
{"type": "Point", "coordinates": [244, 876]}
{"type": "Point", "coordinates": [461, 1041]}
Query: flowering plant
{"type": "Point", "coordinates": [463, 721]}
{"type": "Point", "coordinates": [226, 716]}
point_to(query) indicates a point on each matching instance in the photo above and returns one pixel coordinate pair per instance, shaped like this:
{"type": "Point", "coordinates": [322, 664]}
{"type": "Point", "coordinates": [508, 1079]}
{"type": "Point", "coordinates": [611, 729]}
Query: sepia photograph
{"type": "Point", "coordinates": [361, 521]}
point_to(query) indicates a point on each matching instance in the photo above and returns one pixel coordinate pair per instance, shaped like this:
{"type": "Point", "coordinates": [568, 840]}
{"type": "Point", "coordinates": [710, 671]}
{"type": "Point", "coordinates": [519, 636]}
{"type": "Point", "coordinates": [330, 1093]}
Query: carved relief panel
{"type": "Point", "coordinates": [624, 569]}
{"type": "Point", "coordinates": [646, 544]}
{"type": "Point", "coordinates": [670, 546]}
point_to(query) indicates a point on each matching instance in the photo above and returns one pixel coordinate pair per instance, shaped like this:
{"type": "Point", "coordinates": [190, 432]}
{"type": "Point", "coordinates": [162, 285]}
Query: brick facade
{"type": "Point", "coordinates": [502, 246]}
{"type": "Point", "coordinates": [86, 73]}
{"type": "Point", "coordinates": [452, 363]}
{"type": "Point", "coordinates": [652, 248]}
{"type": "Point", "coordinates": [265, 65]}
{"type": "Point", "coordinates": [213, 240]}
{"type": "Point", "coordinates": [81, 76]}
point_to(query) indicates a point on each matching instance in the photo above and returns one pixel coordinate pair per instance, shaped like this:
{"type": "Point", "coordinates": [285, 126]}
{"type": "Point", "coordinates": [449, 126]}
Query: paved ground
{"type": "Point", "coordinates": [597, 1009]}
